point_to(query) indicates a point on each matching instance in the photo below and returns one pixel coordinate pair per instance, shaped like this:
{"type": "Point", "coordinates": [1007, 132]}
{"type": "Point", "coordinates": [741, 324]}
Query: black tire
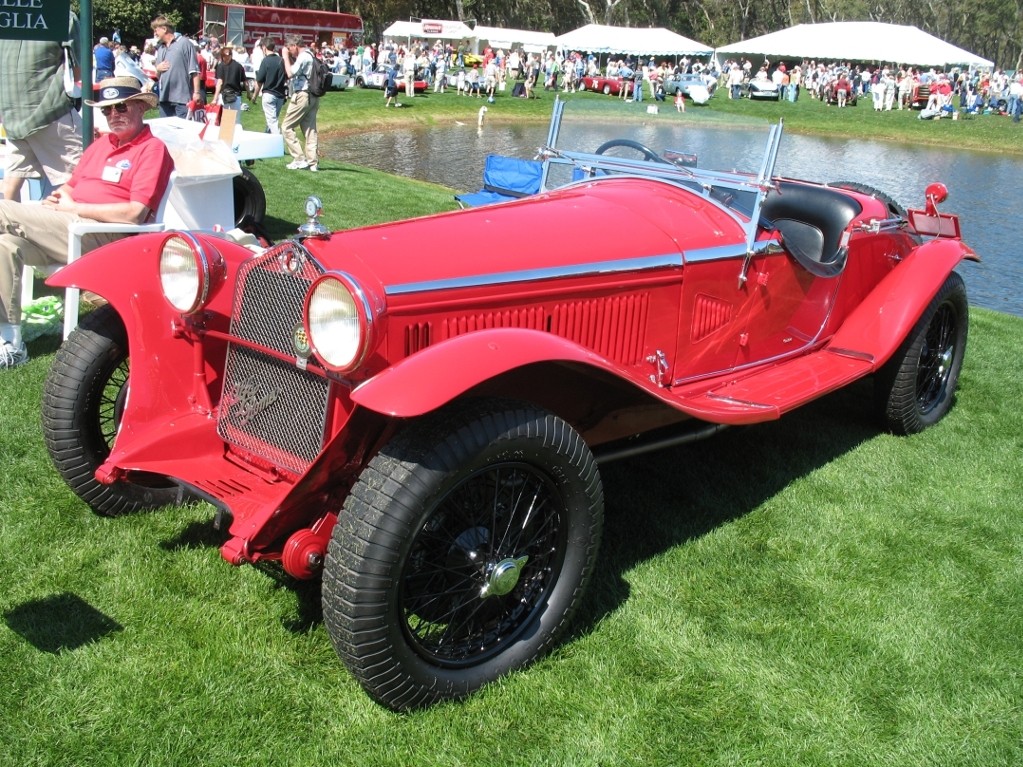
{"type": "Point", "coordinates": [492, 496]}
{"type": "Point", "coordinates": [249, 200]}
{"type": "Point", "coordinates": [83, 399]}
{"type": "Point", "coordinates": [916, 387]}
{"type": "Point", "coordinates": [627, 143]}
{"type": "Point", "coordinates": [894, 208]}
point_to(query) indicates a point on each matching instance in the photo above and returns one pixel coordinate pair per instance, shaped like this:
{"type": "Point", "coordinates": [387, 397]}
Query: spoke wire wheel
{"type": "Point", "coordinates": [462, 551]}
{"type": "Point", "coordinates": [483, 564]}
{"type": "Point", "coordinates": [84, 398]}
{"type": "Point", "coordinates": [916, 387]}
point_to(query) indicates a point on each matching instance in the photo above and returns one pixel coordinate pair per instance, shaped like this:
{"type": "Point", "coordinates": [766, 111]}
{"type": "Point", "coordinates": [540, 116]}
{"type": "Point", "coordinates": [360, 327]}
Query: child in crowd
{"type": "Point", "coordinates": [680, 101]}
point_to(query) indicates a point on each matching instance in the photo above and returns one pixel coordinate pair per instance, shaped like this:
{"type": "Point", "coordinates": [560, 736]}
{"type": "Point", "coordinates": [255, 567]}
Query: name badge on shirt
{"type": "Point", "coordinates": [112, 174]}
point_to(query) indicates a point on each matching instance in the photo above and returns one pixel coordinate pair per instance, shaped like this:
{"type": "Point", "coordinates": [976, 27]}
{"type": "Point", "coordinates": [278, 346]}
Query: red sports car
{"type": "Point", "coordinates": [611, 86]}
{"type": "Point", "coordinates": [424, 428]}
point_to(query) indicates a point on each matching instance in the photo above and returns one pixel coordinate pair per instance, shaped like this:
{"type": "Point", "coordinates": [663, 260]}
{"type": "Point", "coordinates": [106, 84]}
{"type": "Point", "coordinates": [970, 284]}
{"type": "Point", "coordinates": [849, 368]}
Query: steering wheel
{"type": "Point", "coordinates": [648, 153]}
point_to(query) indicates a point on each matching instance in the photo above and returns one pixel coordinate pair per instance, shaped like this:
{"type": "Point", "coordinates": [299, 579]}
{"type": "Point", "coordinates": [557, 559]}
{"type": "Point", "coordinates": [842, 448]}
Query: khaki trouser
{"type": "Point", "coordinates": [33, 234]}
{"type": "Point", "coordinates": [301, 112]}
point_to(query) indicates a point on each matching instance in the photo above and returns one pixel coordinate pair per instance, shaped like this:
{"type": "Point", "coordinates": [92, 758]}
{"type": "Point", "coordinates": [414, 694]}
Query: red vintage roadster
{"type": "Point", "coordinates": [422, 427]}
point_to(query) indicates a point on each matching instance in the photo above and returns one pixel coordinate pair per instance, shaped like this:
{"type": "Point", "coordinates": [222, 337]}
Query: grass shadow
{"type": "Point", "coordinates": [60, 622]}
{"type": "Point", "coordinates": [671, 497]}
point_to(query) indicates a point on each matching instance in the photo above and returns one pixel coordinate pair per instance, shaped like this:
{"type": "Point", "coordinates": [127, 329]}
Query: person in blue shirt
{"type": "Point", "coordinates": [103, 60]}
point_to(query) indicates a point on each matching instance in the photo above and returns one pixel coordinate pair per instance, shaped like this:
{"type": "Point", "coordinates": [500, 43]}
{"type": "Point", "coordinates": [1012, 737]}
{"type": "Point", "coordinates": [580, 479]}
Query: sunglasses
{"type": "Point", "coordinates": [121, 108]}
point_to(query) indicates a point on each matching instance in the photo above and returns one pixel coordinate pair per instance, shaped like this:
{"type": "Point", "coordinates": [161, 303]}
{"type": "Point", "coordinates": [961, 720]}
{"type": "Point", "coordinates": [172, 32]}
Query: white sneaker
{"type": "Point", "coordinates": [11, 356]}
{"type": "Point", "coordinates": [314, 167]}
{"type": "Point", "coordinates": [297, 165]}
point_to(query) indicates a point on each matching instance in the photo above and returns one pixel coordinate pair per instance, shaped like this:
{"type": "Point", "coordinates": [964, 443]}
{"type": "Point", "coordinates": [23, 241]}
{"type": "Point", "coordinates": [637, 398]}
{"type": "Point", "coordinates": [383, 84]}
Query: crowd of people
{"type": "Point", "coordinates": [889, 87]}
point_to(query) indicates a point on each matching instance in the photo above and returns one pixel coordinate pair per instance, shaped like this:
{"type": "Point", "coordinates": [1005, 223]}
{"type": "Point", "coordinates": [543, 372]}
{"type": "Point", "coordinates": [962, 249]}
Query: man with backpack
{"type": "Point", "coordinates": [302, 104]}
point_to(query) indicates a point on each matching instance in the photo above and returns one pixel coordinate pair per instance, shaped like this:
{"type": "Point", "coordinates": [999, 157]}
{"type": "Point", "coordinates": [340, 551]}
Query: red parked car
{"type": "Point", "coordinates": [423, 427]}
{"type": "Point", "coordinates": [609, 86]}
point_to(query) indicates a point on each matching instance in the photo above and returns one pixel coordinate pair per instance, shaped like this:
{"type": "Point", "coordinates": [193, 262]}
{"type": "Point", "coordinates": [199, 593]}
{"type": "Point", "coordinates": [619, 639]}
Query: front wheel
{"type": "Point", "coordinates": [83, 399]}
{"type": "Point", "coordinates": [462, 552]}
{"type": "Point", "coordinates": [916, 387]}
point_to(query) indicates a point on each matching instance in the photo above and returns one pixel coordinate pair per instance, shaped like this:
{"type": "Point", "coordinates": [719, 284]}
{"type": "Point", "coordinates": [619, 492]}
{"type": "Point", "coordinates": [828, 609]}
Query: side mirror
{"type": "Point", "coordinates": [934, 194]}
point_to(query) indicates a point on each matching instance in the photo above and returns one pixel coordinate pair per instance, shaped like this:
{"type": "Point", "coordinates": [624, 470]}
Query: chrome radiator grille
{"type": "Point", "coordinates": [270, 407]}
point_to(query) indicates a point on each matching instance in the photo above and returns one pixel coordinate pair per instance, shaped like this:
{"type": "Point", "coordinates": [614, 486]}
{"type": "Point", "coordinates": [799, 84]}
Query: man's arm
{"type": "Point", "coordinates": [131, 212]}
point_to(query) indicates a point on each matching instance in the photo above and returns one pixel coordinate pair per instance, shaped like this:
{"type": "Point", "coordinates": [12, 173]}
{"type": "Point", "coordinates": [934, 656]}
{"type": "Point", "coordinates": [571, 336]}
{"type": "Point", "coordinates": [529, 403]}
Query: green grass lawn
{"type": "Point", "coordinates": [807, 592]}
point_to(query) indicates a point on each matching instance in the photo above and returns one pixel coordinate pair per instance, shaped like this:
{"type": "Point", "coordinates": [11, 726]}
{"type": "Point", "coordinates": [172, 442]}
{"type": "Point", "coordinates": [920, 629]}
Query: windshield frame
{"type": "Point", "coordinates": [723, 188]}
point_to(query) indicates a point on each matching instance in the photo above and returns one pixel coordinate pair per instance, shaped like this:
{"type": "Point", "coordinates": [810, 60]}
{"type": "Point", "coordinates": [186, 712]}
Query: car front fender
{"type": "Point", "coordinates": [886, 316]}
{"type": "Point", "coordinates": [438, 374]}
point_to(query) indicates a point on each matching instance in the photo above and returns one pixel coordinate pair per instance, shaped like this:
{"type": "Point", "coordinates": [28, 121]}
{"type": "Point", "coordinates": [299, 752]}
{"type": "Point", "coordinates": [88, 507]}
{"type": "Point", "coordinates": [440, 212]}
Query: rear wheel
{"type": "Point", "coordinates": [249, 200]}
{"type": "Point", "coordinates": [83, 400]}
{"type": "Point", "coordinates": [462, 552]}
{"type": "Point", "coordinates": [916, 387]}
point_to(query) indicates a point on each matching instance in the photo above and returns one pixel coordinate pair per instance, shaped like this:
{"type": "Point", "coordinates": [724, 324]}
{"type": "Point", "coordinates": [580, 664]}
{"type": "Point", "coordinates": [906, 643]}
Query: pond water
{"type": "Point", "coordinates": [983, 187]}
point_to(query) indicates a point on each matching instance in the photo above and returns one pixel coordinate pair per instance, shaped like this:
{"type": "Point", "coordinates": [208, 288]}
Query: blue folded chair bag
{"type": "Point", "coordinates": [505, 178]}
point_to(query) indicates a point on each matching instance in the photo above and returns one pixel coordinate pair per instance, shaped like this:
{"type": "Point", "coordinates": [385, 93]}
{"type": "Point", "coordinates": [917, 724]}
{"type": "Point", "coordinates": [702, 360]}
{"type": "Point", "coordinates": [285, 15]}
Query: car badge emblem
{"type": "Point", "coordinates": [249, 399]}
{"type": "Point", "coordinates": [300, 342]}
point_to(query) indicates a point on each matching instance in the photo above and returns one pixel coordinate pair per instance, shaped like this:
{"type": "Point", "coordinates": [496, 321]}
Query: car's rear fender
{"type": "Point", "coordinates": [885, 317]}
{"type": "Point", "coordinates": [438, 374]}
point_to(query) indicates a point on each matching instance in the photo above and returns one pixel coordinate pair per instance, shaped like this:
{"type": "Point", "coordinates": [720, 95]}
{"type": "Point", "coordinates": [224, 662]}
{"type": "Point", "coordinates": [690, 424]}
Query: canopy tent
{"type": "Point", "coordinates": [655, 41]}
{"type": "Point", "coordinates": [531, 42]}
{"type": "Point", "coordinates": [855, 41]}
{"type": "Point", "coordinates": [429, 28]}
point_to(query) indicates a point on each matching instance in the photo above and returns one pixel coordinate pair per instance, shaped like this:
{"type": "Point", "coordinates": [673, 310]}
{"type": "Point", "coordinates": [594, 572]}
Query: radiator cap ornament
{"type": "Point", "coordinates": [313, 227]}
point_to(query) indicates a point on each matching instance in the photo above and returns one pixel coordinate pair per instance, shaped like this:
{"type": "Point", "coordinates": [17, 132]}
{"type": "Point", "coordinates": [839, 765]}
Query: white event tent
{"type": "Point", "coordinates": [855, 41]}
{"type": "Point", "coordinates": [529, 41]}
{"type": "Point", "coordinates": [433, 29]}
{"type": "Point", "coordinates": [655, 41]}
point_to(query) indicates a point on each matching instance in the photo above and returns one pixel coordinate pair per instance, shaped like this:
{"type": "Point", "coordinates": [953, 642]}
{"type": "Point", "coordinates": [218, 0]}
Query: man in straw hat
{"type": "Point", "coordinates": [121, 178]}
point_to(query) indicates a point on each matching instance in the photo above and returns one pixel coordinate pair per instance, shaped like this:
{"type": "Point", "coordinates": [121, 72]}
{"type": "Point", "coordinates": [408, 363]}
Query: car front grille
{"type": "Point", "coordinates": [270, 406]}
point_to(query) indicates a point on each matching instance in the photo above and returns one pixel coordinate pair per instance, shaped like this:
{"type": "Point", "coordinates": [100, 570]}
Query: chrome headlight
{"type": "Point", "coordinates": [188, 272]}
{"type": "Point", "coordinates": [338, 322]}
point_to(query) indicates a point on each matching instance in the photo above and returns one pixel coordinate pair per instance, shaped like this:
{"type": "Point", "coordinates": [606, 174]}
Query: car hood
{"type": "Point", "coordinates": [604, 220]}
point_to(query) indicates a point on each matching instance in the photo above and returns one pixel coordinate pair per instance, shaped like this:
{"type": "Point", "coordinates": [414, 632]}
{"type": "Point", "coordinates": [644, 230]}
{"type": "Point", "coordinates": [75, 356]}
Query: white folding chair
{"type": "Point", "coordinates": [74, 251]}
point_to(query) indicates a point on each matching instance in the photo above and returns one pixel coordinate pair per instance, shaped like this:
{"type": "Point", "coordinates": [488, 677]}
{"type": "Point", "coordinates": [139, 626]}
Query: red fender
{"type": "Point", "coordinates": [885, 317]}
{"type": "Point", "coordinates": [438, 374]}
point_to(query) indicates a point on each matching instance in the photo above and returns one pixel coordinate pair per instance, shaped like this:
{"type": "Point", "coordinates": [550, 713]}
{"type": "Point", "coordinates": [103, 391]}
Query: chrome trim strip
{"type": "Point", "coordinates": [735, 250]}
{"type": "Point", "coordinates": [643, 263]}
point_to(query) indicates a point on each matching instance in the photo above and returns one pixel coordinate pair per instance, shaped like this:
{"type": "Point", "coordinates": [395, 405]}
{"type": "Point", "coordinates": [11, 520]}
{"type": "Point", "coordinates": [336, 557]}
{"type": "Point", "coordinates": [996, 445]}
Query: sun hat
{"type": "Point", "coordinates": [115, 90]}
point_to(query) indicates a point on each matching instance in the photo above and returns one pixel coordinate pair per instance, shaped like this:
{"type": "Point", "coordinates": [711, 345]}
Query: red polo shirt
{"type": "Point", "coordinates": [134, 172]}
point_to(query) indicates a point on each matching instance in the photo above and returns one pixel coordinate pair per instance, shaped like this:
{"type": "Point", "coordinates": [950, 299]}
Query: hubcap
{"type": "Point", "coordinates": [503, 577]}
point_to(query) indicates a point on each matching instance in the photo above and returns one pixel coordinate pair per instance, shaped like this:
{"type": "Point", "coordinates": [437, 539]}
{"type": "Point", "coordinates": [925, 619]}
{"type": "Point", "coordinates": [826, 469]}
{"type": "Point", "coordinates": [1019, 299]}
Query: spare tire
{"type": "Point", "coordinates": [894, 208]}
{"type": "Point", "coordinates": [249, 200]}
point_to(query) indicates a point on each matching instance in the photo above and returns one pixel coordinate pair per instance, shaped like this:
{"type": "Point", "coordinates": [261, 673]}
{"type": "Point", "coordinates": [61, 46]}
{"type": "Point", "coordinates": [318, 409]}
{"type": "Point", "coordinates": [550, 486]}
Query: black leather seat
{"type": "Point", "coordinates": [811, 221]}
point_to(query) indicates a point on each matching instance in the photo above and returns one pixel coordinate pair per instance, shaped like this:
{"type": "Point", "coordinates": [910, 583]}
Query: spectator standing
{"type": "Point", "coordinates": [1015, 106]}
{"type": "Point", "coordinates": [302, 105]}
{"type": "Point", "coordinates": [391, 86]}
{"type": "Point", "coordinates": [44, 131]}
{"type": "Point", "coordinates": [178, 68]}
{"type": "Point", "coordinates": [440, 76]}
{"type": "Point", "coordinates": [121, 178]}
{"type": "Point", "coordinates": [735, 82]}
{"type": "Point", "coordinates": [271, 86]}
{"type": "Point", "coordinates": [408, 68]}
{"type": "Point", "coordinates": [102, 60]}
{"type": "Point", "coordinates": [230, 80]}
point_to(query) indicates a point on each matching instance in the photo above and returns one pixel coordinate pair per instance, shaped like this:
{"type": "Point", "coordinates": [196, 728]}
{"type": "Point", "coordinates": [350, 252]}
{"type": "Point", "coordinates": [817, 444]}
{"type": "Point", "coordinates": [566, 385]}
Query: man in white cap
{"type": "Point", "coordinates": [121, 178]}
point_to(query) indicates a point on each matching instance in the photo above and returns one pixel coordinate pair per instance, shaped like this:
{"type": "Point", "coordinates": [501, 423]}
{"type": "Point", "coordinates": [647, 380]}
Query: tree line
{"type": "Point", "coordinates": [990, 28]}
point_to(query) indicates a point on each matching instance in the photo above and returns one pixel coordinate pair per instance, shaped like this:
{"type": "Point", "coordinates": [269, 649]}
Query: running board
{"type": "Point", "coordinates": [767, 393]}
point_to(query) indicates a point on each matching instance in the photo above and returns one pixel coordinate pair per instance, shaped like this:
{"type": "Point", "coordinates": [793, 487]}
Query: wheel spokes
{"type": "Point", "coordinates": [482, 563]}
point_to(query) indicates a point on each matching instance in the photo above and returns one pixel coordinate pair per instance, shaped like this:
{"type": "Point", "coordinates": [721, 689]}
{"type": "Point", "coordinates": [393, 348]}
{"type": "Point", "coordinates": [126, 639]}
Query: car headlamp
{"type": "Point", "coordinates": [188, 272]}
{"type": "Point", "coordinates": [338, 322]}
